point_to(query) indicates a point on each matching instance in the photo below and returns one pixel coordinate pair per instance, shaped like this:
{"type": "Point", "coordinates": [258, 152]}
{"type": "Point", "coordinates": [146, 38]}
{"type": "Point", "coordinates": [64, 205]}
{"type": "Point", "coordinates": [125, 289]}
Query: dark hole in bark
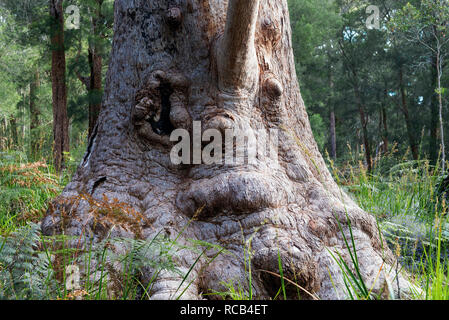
{"type": "Point", "coordinates": [91, 142]}
{"type": "Point", "coordinates": [132, 14]}
{"type": "Point", "coordinates": [164, 127]}
{"type": "Point", "coordinates": [98, 183]}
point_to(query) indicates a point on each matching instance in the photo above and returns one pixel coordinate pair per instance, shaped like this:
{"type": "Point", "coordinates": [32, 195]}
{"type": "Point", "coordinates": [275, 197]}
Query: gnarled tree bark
{"type": "Point", "coordinates": [228, 64]}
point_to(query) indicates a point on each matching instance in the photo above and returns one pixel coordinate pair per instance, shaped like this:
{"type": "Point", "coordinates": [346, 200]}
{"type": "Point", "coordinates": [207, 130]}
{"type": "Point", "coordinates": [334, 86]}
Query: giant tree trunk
{"type": "Point", "coordinates": [228, 65]}
{"type": "Point", "coordinates": [59, 89]}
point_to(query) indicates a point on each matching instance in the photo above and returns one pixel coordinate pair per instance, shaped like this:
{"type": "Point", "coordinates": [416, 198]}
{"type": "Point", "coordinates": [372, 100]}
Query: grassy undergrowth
{"type": "Point", "coordinates": [409, 202]}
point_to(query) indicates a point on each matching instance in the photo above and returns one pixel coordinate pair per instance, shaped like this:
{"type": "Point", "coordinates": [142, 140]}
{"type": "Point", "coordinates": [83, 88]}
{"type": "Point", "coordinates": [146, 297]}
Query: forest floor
{"type": "Point", "coordinates": [404, 196]}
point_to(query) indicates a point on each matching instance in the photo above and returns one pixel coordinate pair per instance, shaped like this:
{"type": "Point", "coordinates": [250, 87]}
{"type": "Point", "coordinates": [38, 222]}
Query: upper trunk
{"type": "Point", "coordinates": [228, 66]}
{"type": "Point", "coordinates": [236, 52]}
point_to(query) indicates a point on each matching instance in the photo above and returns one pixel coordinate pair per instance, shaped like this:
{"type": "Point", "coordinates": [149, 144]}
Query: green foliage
{"type": "Point", "coordinates": [25, 189]}
{"type": "Point", "coordinates": [34, 267]}
{"type": "Point", "coordinates": [25, 273]}
{"type": "Point", "coordinates": [315, 25]}
{"type": "Point", "coordinates": [319, 130]}
{"type": "Point", "coordinates": [412, 215]}
{"type": "Point", "coordinates": [25, 29]}
{"type": "Point", "coordinates": [435, 272]}
{"type": "Point", "coordinates": [426, 15]}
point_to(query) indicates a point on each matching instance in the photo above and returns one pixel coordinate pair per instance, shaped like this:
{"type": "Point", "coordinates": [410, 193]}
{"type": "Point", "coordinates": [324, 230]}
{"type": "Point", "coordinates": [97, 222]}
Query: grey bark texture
{"type": "Point", "coordinates": [174, 62]}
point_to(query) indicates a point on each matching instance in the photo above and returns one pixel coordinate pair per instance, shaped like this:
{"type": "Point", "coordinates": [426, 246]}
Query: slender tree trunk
{"type": "Point", "coordinates": [384, 117]}
{"type": "Point", "coordinates": [405, 111]}
{"type": "Point", "coordinates": [364, 123]}
{"type": "Point", "coordinates": [3, 135]}
{"type": "Point", "coordinates": [13, 128]}
{"type": "Point", "coordinates": [228, 65]}
{"type": "Point", "coordinates": [433, 144]}
{"type": "Point", "coordinates": [6, 136]}
{"type": "Point", "coordinates": [59, 90]}
{"type": "Point", "coordinates": [96, 91]}
{"type": "Point", "coordinates": [380, 147]}
{"type": "Point", "coordinates": [34, 114]}
{"type": "Point", "coordinates": [332, 133]}
{"type": "Point", "coordinates": [440, 111]}
{"type": "Point", "coordinates": [93, 85]}
{"type": "Point", "coordinates": [96, 64]}
{"type": "Point", "coordinates": [385, 129]}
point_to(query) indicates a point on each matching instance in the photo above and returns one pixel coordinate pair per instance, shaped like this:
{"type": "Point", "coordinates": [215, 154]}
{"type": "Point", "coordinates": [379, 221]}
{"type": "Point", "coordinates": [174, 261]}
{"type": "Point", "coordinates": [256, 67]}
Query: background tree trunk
{"type": "Point", "coordinates": [228, 66]}
{"type": "Point", "coordinates": [13, 129]}
{"type": "Point", "coordinates": [433, 146]}
{"type": "Point", "coordinates": [96, 65]}
{"type": "Point", "coordinates": [333, 134]}
{"type": "Point", "coordinates": [59, 90]}
{"type": "Point", "coordinates": [34, 114]}
{"type": "Point", "coordinates": [364, 124]}
{"type": "Point", "coordinates": [332, 127]}
{"type": "Point", "coordinates": [95, 87]}
{"type": "Point", "coordinates": [405, 111]}
{"type": "Point", "coordinates": [384, 121]}
{"type": "Point", "coordinates": [440, 110]}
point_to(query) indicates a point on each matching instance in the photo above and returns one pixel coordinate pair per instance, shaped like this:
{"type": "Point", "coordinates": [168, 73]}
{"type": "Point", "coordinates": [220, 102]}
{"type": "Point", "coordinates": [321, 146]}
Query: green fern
{"type": "Point", "coordinates": [25, 273]}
